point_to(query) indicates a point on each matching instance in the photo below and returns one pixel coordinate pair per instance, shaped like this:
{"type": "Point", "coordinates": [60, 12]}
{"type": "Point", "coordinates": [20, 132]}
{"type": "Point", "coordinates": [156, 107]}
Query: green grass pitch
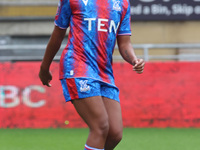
{"type": "Point", "coordinates": [74, 139]}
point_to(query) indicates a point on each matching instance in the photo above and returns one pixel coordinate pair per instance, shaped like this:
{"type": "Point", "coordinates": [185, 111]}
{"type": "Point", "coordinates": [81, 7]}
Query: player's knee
{"type": "Point", "coordinates": [102, 127]}
{"type": "Point", "coordinates": [116, 136]}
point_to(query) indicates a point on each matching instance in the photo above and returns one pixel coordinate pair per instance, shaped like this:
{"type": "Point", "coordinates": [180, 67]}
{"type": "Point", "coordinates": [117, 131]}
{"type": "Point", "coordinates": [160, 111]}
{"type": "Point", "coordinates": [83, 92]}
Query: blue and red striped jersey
{"type": "Point", "coordinates": [94, 26]}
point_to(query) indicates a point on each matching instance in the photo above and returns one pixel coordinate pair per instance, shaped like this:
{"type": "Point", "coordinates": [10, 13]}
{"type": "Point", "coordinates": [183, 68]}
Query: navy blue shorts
{"type": "Point", "coordinates": [77, 88]}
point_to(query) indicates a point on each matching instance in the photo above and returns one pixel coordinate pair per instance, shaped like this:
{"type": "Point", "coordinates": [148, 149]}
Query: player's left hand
{"type": "Point", "coordinates": [45, 77]}
{"type": "Point", "coordinates": [139, 66]}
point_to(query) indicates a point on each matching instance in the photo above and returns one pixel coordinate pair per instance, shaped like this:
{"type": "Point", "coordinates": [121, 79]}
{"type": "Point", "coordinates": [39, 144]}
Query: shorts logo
{"type": "Point", "coordinates": [84, 87]}
{"type": "Point", "coordinates": [116, 5]}
{"type": "Point", "coordinates": [71, 72]}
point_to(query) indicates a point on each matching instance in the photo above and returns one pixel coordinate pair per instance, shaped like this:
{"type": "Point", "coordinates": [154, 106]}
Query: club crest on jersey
{"type": "Point", "coordinates": [116, 5]}
{"type": "Point", "coordinates": [84, 87]}
{"type": "Point", "coordinates": [85, 2]}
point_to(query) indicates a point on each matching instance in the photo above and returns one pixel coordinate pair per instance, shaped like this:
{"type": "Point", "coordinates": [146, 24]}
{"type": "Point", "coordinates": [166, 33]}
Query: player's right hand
{"type": "Point", "coordinates": [45, 76]}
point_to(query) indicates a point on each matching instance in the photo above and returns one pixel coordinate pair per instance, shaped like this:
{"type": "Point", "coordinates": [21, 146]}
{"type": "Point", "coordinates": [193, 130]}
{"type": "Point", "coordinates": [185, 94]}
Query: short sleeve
{"type": "Point", "coordinates": [63, 15]}
{"type": "Point", "coordinates": [125, 26]}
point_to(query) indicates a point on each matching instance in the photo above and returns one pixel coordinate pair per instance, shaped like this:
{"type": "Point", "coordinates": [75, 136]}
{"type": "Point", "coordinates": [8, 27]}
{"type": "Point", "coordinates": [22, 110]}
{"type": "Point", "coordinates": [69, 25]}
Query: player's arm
{"type": "Point", "coordinates": [127, 52]}
{"type": "Point", "coordinates": [52, 48]}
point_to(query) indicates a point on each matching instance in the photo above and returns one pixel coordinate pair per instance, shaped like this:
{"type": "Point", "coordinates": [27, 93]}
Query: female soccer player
{"type": "Point", "coordinates": [86, 63]}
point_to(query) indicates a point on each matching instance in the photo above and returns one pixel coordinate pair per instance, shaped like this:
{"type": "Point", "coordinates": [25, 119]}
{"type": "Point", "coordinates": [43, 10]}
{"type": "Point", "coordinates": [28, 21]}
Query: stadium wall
{"type": "Point", "coordinates": [165, 95]}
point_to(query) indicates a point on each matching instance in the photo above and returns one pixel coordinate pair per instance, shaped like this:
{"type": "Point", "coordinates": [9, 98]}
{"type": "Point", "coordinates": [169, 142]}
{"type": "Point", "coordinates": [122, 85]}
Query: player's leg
{"type": "Point", "coordinates": [93, 112]}
{"type": "Point", "coordinates": [115, 123]}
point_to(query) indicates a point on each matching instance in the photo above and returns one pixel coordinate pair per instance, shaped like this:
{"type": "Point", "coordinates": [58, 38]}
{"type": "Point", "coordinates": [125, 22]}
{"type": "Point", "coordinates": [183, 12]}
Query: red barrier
{"type": "Point", "coordinates": [165, 95]}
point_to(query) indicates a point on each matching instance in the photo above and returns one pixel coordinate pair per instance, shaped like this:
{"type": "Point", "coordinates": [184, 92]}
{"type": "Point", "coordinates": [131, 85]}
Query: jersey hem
{"type": "Point", "coordinates": [88, 77]}
{"type": "Point", "coordinates": [125, 34]}
{"type": "Point", "coordinates": [59, 26]}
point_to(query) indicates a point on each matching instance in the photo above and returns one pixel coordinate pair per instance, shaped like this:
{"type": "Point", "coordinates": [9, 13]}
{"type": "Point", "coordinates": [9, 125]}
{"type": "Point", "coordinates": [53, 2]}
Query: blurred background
{"type": "Point", "coordinates": [166, 33]}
